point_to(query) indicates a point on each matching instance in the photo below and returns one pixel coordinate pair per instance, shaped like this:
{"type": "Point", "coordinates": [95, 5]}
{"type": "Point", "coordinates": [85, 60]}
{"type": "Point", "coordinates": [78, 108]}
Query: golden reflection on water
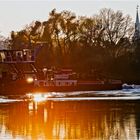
{"type": "Point", "coordinates": [39, 98]}
{"type": "Point", "coordinates": [97, 120]}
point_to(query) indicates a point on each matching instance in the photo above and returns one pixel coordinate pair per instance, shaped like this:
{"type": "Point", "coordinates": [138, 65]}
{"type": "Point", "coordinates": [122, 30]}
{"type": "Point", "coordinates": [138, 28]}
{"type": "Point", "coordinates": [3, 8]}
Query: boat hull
{"type": "Point", "coordinates": [79, 88]}
{"type": "Point", "coordinates": [17, 88]}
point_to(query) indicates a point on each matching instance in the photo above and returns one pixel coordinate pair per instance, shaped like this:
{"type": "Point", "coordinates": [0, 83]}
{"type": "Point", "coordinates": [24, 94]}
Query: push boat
{"type": "Point", "coordinates": [22, 81]}
{"type": "Point", "coordinates": [65, 80]}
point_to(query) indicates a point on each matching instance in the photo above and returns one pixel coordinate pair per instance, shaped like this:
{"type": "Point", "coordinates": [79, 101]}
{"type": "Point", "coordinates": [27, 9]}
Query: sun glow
{"type": "Point", "coordinates": [29, 80]}
{"type": "Point", "coordinates": [39, 98]}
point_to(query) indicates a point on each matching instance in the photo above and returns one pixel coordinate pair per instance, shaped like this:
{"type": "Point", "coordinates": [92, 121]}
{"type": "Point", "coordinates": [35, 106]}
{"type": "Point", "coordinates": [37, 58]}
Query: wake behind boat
{"type": "Point", "coordinates": [130, 86]}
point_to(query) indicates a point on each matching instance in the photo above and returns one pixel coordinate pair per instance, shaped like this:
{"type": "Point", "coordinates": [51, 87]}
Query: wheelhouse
{"type": "Point", "coordinates": [17, 56]}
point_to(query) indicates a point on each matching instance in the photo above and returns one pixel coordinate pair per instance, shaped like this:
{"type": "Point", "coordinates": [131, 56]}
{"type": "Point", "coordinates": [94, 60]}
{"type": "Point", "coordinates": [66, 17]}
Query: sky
{"type": "Point", "coordinates": [16, 14]}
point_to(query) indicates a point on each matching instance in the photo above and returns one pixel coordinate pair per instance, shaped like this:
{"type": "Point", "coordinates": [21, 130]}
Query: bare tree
{"type": "Point", "coordinates": [117, 28]}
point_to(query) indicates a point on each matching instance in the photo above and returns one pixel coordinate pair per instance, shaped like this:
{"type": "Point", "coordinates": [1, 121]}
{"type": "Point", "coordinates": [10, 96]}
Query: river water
{"type": "Point", "coordinates": [106, 115]}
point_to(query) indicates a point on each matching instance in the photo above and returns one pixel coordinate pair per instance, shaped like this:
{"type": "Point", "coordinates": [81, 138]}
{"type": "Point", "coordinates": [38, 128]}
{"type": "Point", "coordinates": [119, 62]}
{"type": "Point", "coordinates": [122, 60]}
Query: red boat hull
{"type": "Point", "coordinates": [23, 88]}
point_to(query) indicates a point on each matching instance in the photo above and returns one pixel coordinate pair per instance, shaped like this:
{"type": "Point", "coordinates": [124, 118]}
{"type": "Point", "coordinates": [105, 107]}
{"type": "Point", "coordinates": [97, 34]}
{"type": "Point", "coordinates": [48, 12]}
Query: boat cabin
{"type": "Point", "coordinates": [20, 62]}
{"type": "Point", "coordinates": [17, 56]}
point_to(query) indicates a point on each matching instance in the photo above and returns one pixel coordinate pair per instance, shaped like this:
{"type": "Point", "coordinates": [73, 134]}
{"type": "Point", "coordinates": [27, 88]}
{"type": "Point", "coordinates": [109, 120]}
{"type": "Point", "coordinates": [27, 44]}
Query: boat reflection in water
{"type": "Point", "coordinates": [81, 119]}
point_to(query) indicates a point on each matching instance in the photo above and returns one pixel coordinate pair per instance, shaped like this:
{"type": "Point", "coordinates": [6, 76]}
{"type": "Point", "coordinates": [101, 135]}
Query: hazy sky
{"type": "Point", "coordinates": [15, 14]}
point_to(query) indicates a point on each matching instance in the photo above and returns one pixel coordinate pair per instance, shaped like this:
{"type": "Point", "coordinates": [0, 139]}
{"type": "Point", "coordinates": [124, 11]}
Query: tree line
{"type": "Point", "coordinates": [99, 45]}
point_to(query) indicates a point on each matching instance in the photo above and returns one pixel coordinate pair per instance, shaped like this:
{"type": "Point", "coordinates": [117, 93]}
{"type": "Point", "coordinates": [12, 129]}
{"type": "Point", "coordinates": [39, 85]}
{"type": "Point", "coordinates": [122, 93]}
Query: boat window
{"type": "Point", "coordinates": [2, 57]}
{"type": "Point", "coordinates": [19, 55]}
{"type": "Point", "coordinates": [13, 56]}
{"type": "Point", "coordinates": [24, 55]}
{"type": "Point", "coordinates": [8, 56]}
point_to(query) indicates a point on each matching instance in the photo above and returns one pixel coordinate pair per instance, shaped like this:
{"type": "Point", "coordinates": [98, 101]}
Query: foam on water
{"type": "Point", "coordinates": [92, 98]}
{"type": "Point", "coordinates": [125, 94]}
{"type": "Point", "coordinates": [3, 100]}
